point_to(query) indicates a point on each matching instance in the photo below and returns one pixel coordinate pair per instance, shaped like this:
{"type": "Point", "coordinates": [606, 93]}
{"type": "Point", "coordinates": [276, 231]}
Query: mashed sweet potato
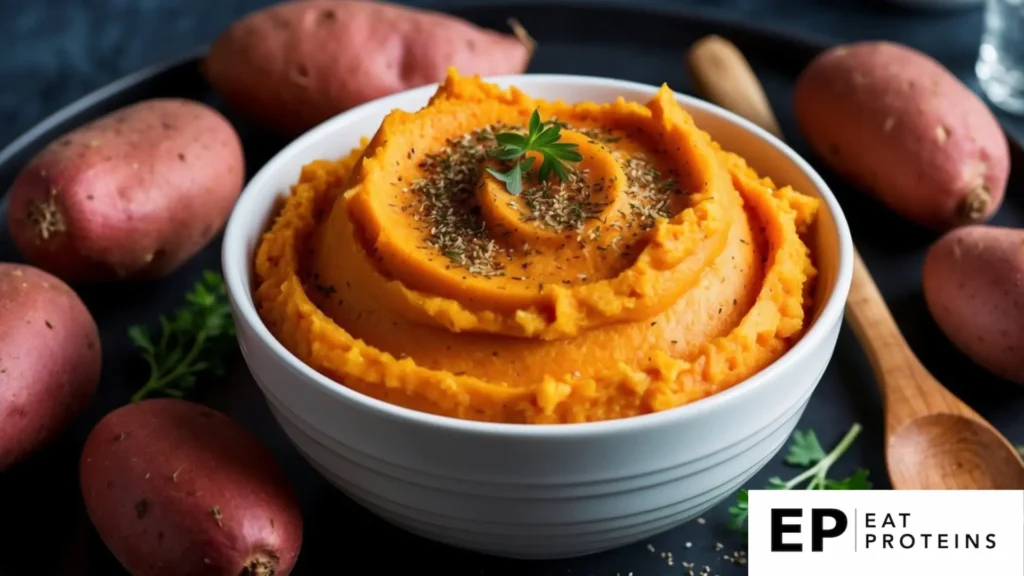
{"type": "Point", "coordinates": [661, 271]}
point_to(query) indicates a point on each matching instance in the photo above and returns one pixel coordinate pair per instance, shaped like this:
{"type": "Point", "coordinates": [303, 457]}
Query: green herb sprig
{"type": "Point", "coordinates": [192, 341]}
{"type": "Point", "coordinates": [806, 452]}
{"type": "Point", "coordinates": [543, 138]}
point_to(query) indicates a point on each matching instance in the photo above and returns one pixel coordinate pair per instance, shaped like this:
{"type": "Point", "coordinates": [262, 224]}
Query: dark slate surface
{"type": "Point", "coordinates": [55, 51]}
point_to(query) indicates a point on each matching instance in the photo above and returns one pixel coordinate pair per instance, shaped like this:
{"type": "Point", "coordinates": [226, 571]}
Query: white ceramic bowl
{"type": "Point", "coordinates": [536, 491]}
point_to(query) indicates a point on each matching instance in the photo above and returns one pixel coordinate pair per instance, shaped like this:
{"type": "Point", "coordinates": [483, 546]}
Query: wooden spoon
{"type": "Point", "coordinates": [932, 439]}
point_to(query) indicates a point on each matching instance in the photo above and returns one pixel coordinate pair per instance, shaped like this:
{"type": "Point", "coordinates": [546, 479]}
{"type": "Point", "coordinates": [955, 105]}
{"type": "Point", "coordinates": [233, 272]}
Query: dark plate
{"type": "Point", "coordinates": [41, 515]}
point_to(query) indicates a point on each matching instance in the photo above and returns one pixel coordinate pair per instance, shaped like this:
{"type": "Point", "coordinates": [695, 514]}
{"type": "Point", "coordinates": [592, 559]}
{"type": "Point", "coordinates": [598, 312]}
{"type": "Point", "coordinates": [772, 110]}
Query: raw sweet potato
{"type": "Point", "coordinates": [900, 126]}
{"type": "Point", "coordinates": [133, 194]}
{"type": "Point", "coordinates": [974, 285]}
{"type": "Point", "coordinates": [50, 360]}
{"type": "Point", "coordinates": [177, 489]}
{"type": "Point", "coordinates": [293, 65]}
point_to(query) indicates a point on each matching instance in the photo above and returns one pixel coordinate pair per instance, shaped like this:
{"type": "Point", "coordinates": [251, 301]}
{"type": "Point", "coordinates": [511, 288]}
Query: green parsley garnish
{"type": "Point", "coordinates": [192, 341]}
{"type": "Point", "coordinates": [806, 452]}
{"type": "Point", "coordinates": [543, 138]}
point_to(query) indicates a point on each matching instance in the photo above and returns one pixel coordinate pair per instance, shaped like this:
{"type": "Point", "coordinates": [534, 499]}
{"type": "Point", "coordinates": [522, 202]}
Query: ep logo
{"type": "Point", "coordinates": [885, 532]}
{"type": "Point", "coordinates": [824, 523]}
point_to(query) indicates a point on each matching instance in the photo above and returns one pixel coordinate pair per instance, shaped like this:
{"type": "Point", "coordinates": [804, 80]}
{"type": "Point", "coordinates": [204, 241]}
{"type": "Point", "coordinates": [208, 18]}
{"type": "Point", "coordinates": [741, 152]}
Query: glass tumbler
{"type": "Point", "coordinates": [1000, 66]}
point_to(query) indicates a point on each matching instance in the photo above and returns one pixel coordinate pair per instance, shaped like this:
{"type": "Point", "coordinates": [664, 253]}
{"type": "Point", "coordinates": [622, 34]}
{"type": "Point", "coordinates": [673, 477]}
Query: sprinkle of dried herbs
{"type": "Point", "coordinates": [650, 195]}
{"type": "Point", "coordinates": [443, 200]}
{"type": "Point", "coordinates": [564, 206]}
{"type": "Point", "coordinates": [444, 204]}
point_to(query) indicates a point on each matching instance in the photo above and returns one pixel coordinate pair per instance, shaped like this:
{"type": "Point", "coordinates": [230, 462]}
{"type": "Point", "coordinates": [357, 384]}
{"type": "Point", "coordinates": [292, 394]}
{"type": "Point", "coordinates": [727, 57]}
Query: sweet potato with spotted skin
{"type": "Point", "coordinates": [134, 194]}
{"type": "Point", "coordinates": [293, 65]}
{"type": "Point", "coordinates": [973, 281]}
{"type": "Point", "coordinates": [901, 127]}
{"type": "Point", "coordinates": [177, 489]}
{"type": "Point", "coordinates": [49, 359]}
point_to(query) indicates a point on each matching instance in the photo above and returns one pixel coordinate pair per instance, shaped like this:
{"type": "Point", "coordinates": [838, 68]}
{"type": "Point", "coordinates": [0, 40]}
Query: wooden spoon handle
{"type": "Point", "coordinates": [907, 387]}
{"type": "Point", "coordinates": [723, 75]}
{"type": "Point", "coordinates": [726, 78]}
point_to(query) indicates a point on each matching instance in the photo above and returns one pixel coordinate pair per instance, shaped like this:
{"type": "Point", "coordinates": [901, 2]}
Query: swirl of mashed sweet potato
{"type": "Point", "coordinates": [662, 271]}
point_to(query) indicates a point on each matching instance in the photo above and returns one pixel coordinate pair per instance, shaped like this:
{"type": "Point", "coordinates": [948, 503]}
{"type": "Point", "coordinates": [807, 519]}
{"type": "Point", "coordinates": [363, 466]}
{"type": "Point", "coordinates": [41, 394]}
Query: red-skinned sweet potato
{"type": "Point", "coordinates": [50, 360]}
{"type": "Point", "coordinates": [293, 65]}
{"type": "Point", "coordinates": [901, 127]}
{"type": "Point", "coordinates": [133, 194]}
{"type": "Point", "coordinates": [177, 489]}
{"type": "Point", "coordinates": [973, 280]}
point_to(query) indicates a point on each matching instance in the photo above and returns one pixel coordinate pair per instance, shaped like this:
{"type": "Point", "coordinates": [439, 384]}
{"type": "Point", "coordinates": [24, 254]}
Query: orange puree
{"type": "Point", "coordinates": [662, 270]}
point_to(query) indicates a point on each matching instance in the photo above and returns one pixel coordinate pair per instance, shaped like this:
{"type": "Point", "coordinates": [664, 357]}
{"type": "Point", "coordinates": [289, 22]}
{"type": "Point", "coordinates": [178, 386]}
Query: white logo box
{"type": "Point", "coordinates": [898, 533]}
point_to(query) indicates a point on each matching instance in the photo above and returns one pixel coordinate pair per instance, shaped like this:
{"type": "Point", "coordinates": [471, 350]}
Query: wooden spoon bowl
{"type": "Point", "coordinates": [961, 452]}
{"type": "Point", "coordinates": [933, 440]}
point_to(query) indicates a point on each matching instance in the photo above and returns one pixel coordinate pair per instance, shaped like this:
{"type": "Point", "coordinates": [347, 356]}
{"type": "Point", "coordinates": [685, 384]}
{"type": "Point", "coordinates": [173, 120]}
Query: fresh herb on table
{"type": "Point", "coordinates": [192, 341]}
{"type": "Point", "coordinates": [543, 138]}
{"type": "Point", "coordinates": [806, 452]}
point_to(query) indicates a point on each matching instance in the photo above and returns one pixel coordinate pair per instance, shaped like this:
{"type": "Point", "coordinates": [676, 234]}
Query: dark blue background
{"type": "Point", "coordinates": [55, 51]}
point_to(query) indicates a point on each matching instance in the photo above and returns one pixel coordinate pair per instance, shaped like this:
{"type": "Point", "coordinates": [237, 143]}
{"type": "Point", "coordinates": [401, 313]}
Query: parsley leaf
{"type": "Point", "coordinates": [738, 511]}
{"type": "Point", "coordinates": [542, 138]}
{"type": "Point", "coordinates": [857, 481]}
{"type": "Point", "coordinates": [513, 179]}
{"type": "Point", "coordinates": [192, 341]}
{"type": "Point", "coordinates": [805, 451]}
